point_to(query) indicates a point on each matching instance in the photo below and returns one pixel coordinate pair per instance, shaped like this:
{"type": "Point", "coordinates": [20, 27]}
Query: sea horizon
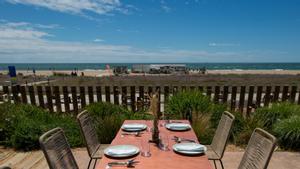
{"type": "Point", "coordinates": [101, 66]}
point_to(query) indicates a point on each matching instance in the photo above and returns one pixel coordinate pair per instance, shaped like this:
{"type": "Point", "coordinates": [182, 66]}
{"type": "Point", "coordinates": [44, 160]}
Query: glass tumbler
{"type": "Point", "coordinates": [164, 142]}
{"type": "Point", "coordinates": [145, 147]}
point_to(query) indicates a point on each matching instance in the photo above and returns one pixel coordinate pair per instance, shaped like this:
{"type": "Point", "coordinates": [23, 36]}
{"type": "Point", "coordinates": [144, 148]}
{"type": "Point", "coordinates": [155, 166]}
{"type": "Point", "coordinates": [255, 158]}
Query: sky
{"type": "Point", "coordinates": [144, 31]}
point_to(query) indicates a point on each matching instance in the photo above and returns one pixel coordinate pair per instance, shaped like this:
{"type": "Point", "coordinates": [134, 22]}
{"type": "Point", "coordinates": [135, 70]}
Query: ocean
{"type": "Point", "coordinates": [209, 66]}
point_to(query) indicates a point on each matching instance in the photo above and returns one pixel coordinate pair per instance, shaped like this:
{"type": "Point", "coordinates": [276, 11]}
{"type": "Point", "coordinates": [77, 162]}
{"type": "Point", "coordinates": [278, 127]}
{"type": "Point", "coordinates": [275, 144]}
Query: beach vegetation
{"type": "Point", "coordinates": [21, 125]}
{"type": "Point", "coordinates": [288, 132]}
{"type": "Point", "coordinates": [280, 119]}
{"type": "Point", "coordinates": [109, 118]}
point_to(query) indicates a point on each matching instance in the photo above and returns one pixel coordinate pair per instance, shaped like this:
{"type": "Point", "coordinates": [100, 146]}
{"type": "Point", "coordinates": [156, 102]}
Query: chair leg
{"type": "Point", "coordinates": [95, 163]}
{"type": "Point", "coordinates": [89, 163]}
{"type": "Point", "coordinates": [215, 164]}
{"type": "Point", "coordinates": [221, 164]}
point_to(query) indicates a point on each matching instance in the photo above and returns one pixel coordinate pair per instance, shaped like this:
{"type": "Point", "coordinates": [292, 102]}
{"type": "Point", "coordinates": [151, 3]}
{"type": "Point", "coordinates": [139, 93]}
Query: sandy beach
{"type": "Point", "coordinates": [100, 73]}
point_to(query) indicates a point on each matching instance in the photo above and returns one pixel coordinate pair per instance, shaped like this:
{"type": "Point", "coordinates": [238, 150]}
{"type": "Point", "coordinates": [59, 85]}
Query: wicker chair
{"type": "Point", "coordinates": [216, 149]}
{"type": "Point", "coordinates": [259, 150]}
{"type": "Point", "coordinates": [90, 136]}
{"type": "Point", "coordinates": [57, 150]}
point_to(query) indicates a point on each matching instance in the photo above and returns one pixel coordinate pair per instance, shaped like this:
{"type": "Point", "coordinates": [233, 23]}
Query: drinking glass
{"type": "Point", "coordinates": [145, 147]}
{"type": "Point", "coordinates": [164, 142]}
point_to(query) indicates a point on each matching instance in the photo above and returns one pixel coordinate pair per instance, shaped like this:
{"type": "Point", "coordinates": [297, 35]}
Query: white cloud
{"type": "Point", "coordinates": [98, 40]}
{"type": "Point", "coordinates": [76, 6]}
{"type": "Point", "coordinates": [22, 44]}
{"type": "Point", "coordinates": [214, 44]}
{"type": "Point", "coordinates": [16, 30]}
{"type": "Point", "coordinates": [164, 6]}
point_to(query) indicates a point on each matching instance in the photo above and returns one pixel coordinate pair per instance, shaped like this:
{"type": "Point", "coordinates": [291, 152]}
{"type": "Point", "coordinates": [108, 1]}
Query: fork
{"type": "Point", "coordinates": [179, 140]}
{"type": "Point", "coordinates": [137, 134]}
{"type": "Point", "coordinates": [129, 163]}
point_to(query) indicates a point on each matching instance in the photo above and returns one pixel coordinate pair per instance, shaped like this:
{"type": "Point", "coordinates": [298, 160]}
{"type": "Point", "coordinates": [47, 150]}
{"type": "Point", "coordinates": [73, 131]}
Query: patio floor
{"type": "Point", "coordinates": [35, 159]}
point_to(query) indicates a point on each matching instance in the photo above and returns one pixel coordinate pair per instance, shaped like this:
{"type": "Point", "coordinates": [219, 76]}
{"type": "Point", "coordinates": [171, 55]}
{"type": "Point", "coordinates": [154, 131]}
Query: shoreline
{"type": "Point", "coordinates": [109, 72]}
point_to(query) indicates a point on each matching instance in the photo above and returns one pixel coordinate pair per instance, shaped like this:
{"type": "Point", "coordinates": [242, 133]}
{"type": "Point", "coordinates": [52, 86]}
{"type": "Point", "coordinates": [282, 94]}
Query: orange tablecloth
{"type": "Point", "coordinates": [159, 159]}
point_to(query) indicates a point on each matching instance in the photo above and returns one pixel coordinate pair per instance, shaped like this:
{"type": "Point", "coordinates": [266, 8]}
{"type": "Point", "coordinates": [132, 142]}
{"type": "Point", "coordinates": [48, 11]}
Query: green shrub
{"type": "Point", "coordinates": [22, 125]}
{"type": "Point", "coordinates": [288, 132]}
{"type": "Point", "coordinates": [109, 118]}
{"type": "Point", "coordinates": [268, 116]}
{"type": "Point", "coordinates": [205, 114]}
{"type": "Point", "coordinates": [188, 100]}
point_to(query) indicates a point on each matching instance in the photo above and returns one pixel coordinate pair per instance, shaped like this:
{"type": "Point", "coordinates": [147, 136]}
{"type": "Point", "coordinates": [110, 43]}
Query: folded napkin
{"type": "Point", "coordinates": [190, 147]}
{"type": "Point", "coordinates": [133, 126]}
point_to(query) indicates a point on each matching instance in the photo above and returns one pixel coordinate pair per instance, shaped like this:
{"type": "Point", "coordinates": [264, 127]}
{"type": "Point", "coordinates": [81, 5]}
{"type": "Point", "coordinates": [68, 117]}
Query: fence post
{"type": "Point", "coordinates": [116, 95]}
{"type": "Point", "coordinates": [225, 95]}
{"type": "Point", "coordinates": [32, 95]}
{"type": "Point", "coordinates": [276, 94]}
{"type": "Point", "coordinates": [91, 94]}
{"type": "Point", "coordinates": [250, 100]}
{"type": "Point", "coordinates": [49, 98]}
{"type": "Point", "coordinates": [258, 96]}
{"type": "Point", "coordinates": [208, 91]}
{"type": "Point", "coordinates": [99, 93]}
{"type": "Point", "coordinates": [124, 96]}
{"type": "Point", "coordinates": [57, 98]}
{"type": "Point", "coordinates": [132, 97]}
{"type": "Point", "coordinates": [217, 93]}
{"type": "Point", "coordinates": [242, 98]}
{"type": "Point", "coordinates": [285, 93]}
{"type": "Point", "coordinates": [166, 93]}
{"type": "Point", "coordinates": [66, 99]}
{"type": "Point", "coordinates": [293, 94]}
{"type": "Point", "coordinates": [74, 99]}
{"type": "Point", "coordinates": [15, 93]}
{"type": "Point", "coordinates": [82, 96]}
{"type": "Point", "coordinates": [233, 97]}
{"type": "Point", "coordinates": [23, 94]}
{"type": "Point", "coordinates": [267, 96]}
{"type": "Point", "coordinates": [107, 93]}
{"type": "Point", "coordinates": [40, 96]}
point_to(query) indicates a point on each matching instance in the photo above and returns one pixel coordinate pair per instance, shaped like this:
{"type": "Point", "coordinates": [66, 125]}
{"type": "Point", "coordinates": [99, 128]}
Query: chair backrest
{"type": "Point", "coordinates": [259, 150]}
{"type": "Point", "coordinates": [57, 150]}
{"type": "Point", "coordinates": [89, 132]}
{"type": "Point", "coordinates": [222, 133]}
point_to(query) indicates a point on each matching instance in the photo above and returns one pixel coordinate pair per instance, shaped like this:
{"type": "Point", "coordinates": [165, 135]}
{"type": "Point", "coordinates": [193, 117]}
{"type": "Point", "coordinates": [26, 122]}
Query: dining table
{"type": "Point", "coordinates": [159, 159]}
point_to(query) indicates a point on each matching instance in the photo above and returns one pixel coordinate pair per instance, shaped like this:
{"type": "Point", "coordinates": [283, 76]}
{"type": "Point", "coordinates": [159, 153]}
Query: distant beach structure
{"type": "Point", "coordinates": [160, 68]}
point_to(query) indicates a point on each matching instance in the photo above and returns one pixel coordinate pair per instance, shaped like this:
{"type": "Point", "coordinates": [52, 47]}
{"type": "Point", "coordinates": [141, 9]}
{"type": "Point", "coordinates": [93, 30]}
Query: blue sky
{"type": "Point", "coordinates": [66, 31]}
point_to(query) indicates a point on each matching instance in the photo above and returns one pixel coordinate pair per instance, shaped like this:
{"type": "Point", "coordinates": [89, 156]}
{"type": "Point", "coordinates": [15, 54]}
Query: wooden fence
{"type": "Point", "coordinates": [74, 98]}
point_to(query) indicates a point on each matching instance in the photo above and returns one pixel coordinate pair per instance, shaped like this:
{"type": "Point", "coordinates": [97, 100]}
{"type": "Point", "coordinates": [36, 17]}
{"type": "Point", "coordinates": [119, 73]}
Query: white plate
{"type": "Point", "coordinates": [190, 148]}
{"type": "Point", "coordinates": [134, 127]}
{"type": "Point", "coordinates": [178, 126]}
{"type": "Point", "coordinates": [120, 151]}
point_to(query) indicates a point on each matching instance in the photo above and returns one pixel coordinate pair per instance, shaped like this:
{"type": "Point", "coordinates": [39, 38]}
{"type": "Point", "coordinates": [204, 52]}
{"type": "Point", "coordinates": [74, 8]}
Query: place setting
{"type": "Point", "coordinates": [121, 153]}
{"type": "Point", "coordinates": [133, 129]}
{"type": "Point", "coordinates": [178, 126]}
{"type": "Point", "coordinates": [189, 148]}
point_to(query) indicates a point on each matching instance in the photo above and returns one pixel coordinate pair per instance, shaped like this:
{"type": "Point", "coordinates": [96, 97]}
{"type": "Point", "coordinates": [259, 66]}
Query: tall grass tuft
{"type": "Point", "coordinates": [288, 132]}
{"type": "Point", "coordinates": [268, 116]}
